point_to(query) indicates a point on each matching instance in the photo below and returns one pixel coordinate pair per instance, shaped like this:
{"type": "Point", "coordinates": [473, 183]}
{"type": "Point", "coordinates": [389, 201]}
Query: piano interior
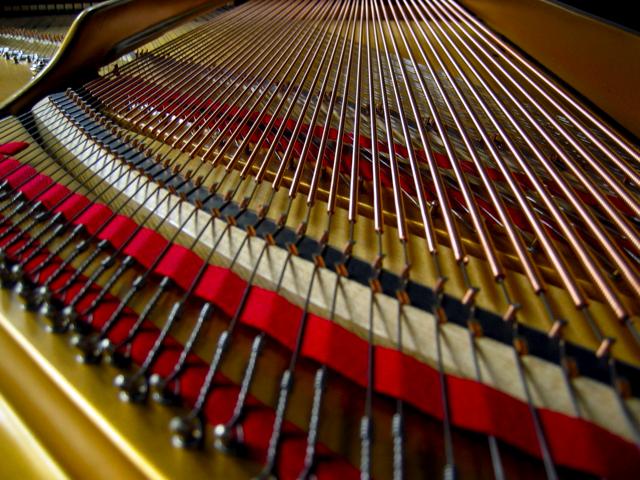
{"type": "Point", "coordinates": [318, 239]}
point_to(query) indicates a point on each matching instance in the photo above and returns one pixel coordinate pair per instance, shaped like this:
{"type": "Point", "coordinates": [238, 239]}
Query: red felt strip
{"type": "Point", "coordinates": [273, 314]}
{"type": "Point", "coordinates": [146, 246]}
{"type": "Point", "coordinates": [328, 343]}
{"type": "Point", "coordinates": [20, 175]}
{"type": "Point", "coordinates": [181, 265]}
{"type": "Point", "coordinates": [219, 282]}
{"type": "Point", "coordinates": [53, 196]}
{"type": "Point", "coordinates": [94, 217]}
{"type": "Point", "coordinates": [11, 148]}
{"type": "Point", "coordinates": [501, 415]}
{"type": "Point", "coordinates": [34, 187]}
{"type": "Point", "coordinates": [118, 230]}
{"type": "Point", "coordinates": [73, 205]}
{"type": "Point", "coordinates": [8, 165]}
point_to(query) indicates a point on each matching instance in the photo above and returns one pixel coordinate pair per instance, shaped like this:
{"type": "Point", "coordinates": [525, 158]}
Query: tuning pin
{"type": "Point", "coordinates": [69, 315]}
{"type": "Point", "coordinates": [5, 271]}
{"type": "Point", "coordinates": [81, 327]}
{"type": "Point", "coordinates": [164, 392]}
{"type": "Point", "coordinates": [133, 388]}
{"type": "Point", "coordinates": [55, 324]}
{"type": "Point", "coordinates": [57, 319]}
{"type": "Point", "coordinates": [28, 291]}
{"type": "Point", "coordinates": [89, 346]}
{"type": "Point", "coordinates": [5, 279]}
{"type": "Point", "coordinates": [229, 438]}
{"type": "Point", "coordinates": [23, 286]}
{"type": "Point", "coordinates": [115, 355]}
{"type": "Point", "coordinates": [188, 431]}
{"type": "Point", "coordinates": [41, 295]}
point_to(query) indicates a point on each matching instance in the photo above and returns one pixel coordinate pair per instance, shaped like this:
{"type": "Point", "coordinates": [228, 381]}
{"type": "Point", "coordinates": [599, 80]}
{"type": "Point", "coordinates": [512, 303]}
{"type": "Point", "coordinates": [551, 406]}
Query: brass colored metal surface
{"type": "Point", "coordinates": [22, 454]}
{"type": "Point", "coordinates": [13, 77]}
{"type": "Point", "coordinates": [81, 423]}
